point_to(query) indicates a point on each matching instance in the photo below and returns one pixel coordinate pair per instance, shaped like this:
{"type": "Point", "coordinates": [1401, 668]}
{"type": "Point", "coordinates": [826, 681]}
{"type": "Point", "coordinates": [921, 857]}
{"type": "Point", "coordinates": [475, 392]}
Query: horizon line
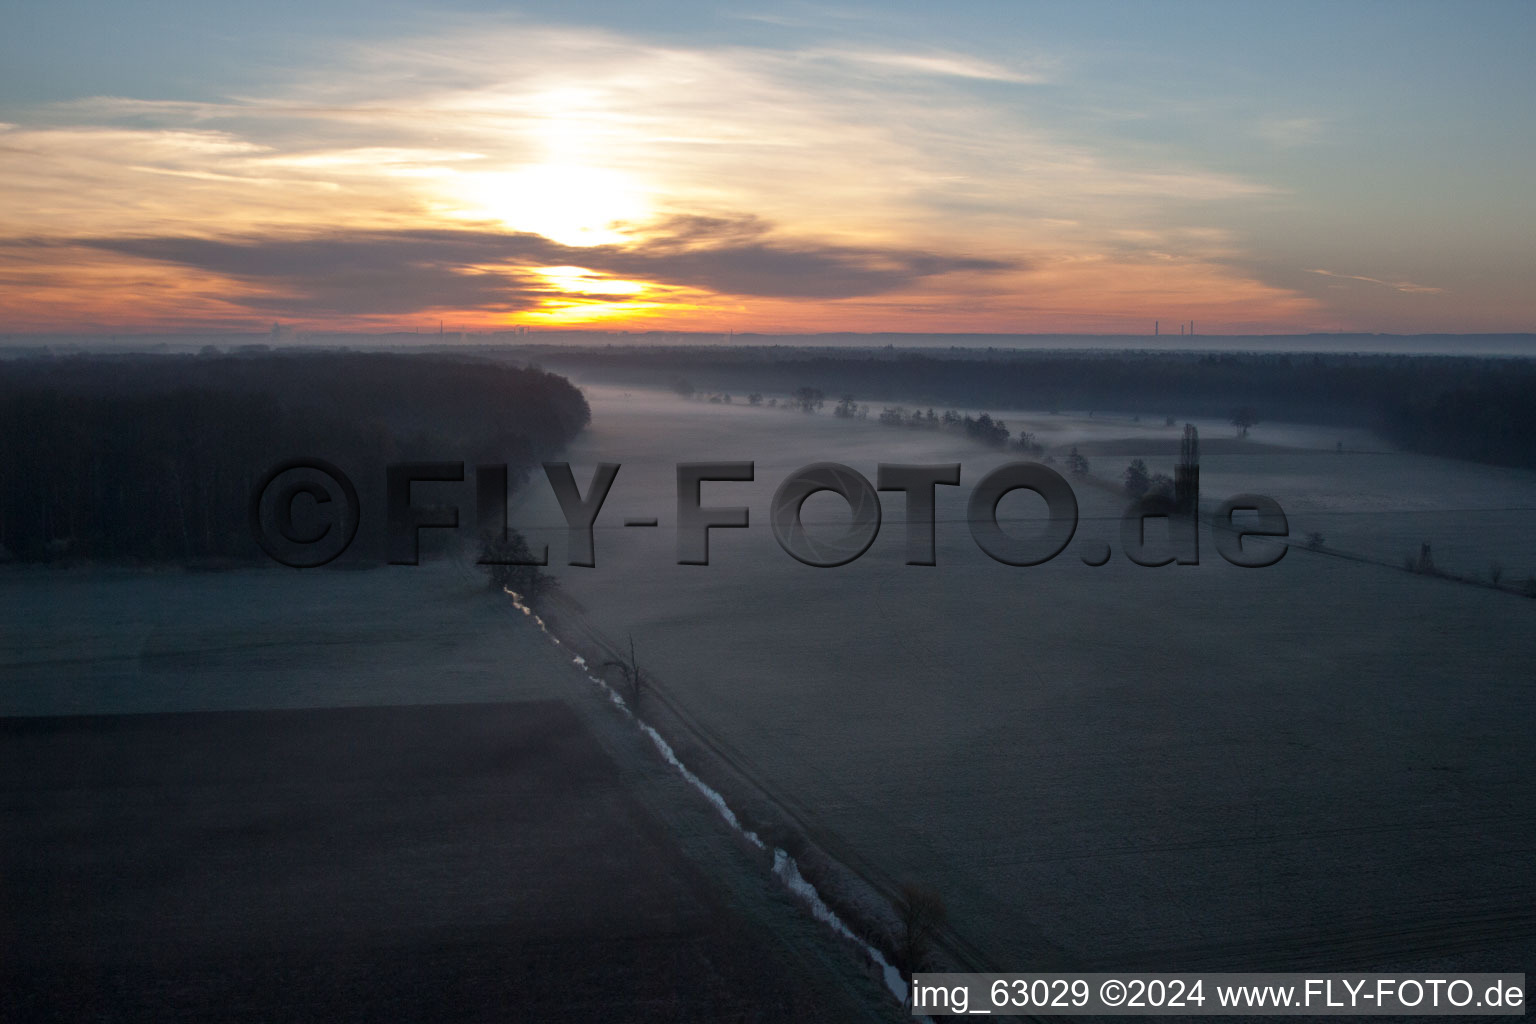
{"type": "Point", "coordinates": [7, 337]}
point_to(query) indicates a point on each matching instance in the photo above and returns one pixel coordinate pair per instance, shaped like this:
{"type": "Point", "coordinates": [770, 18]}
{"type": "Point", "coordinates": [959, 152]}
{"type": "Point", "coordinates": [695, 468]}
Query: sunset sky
{"type": "Point", "coordinates": [1008, 167]}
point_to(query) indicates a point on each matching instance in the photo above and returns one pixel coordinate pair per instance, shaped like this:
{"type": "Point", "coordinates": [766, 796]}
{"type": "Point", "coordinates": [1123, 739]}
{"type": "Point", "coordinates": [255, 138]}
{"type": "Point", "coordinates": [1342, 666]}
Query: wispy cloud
{"type": "Point", "coordinates": [1400, 286]}
{"type": "Point", "coordinates": [940, 64]}
{"type": "Point", "coordinates": [426, 172]}
{"type": "Point", "coordinates": [1288, 132]}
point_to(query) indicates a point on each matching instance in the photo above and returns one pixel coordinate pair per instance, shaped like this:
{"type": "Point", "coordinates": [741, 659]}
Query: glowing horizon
{"type": "Point", "coordinates": [819, 173]}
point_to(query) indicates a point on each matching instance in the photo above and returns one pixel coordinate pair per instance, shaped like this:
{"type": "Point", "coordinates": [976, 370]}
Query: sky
{"type": "Point", "coordinates": [1006, 167]}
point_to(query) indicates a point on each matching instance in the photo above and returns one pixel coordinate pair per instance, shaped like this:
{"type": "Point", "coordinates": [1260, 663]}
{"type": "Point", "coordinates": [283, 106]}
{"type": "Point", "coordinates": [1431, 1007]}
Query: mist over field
{"type": "Point", "coordinates": [1176, 767]}
{"type": "Point", "coordinates": [1086, 764]}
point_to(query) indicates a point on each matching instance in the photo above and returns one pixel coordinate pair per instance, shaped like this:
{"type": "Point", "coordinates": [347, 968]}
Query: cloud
{"type": "Point", "coordinates": [785, 271]}
{"type": "Point", "coordinates": [808, 136]}
{"type": "Point", "coordinates": [402, 271]}
{"type": "Point", "coordinates": [1401, 286]}
{"type": "Point", "coordinates": [1288, 132]}
{"type": "Point", "coordinates": [418, 173]}
{"type": "Point", "coordinates": [940, 64]}
{"type": "Point", "coordinates": [345, 276]}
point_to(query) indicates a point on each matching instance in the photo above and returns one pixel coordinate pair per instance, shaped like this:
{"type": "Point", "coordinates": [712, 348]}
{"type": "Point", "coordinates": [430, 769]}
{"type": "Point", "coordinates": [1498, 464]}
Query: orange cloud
{"type": "Point", "coordinates": [436, 178]}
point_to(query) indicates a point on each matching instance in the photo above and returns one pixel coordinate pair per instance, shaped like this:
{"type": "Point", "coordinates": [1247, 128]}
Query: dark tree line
{"type": "Point", "coordinates": [154, 458]}
{"type": "Point", "coordinates": [1483, 409]}
{"type": "Point", "coordinates": [1487, 417]}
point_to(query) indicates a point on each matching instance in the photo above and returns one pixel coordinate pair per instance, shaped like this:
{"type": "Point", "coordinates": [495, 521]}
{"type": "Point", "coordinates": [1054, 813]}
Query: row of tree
{"type": "Point", "coordinates": [1482, 409]}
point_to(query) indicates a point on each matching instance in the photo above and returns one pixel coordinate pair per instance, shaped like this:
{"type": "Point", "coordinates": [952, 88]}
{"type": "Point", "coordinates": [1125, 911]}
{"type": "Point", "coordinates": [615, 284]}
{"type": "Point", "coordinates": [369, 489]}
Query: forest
{"type": "Point", "coordinates": [153, 458]}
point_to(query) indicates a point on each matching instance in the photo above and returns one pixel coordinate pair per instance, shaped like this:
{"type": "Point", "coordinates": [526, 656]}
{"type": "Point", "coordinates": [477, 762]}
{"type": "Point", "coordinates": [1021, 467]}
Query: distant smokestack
{"type": "Point", "coordinates": [1156, 328]}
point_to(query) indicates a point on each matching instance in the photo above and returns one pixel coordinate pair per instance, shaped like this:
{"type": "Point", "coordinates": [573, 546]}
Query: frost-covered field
{"type": "Point", "coordinates": [109, 642]}
{"type": "Point", "coordinates": [1322, 763]}
{"type": "Point", "coordinates": [449, 818]}
{"type": "Point", "coordinates": [1325, 763]}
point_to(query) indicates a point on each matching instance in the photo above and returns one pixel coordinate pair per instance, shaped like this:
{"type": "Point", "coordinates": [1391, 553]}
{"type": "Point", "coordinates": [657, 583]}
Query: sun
{"type": "Point", "coordinates": [572, 204]}
{"type": "Point", "coordinates": [592, 298]}
{"type": "Point", "coordinates": [579, 279]}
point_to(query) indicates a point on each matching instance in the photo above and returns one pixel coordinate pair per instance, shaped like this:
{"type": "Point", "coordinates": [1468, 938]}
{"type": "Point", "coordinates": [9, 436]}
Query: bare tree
{"type": "Point", "coordinates": [630, 670]}
{"type": "Point", "coordinates": [922, 914]}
